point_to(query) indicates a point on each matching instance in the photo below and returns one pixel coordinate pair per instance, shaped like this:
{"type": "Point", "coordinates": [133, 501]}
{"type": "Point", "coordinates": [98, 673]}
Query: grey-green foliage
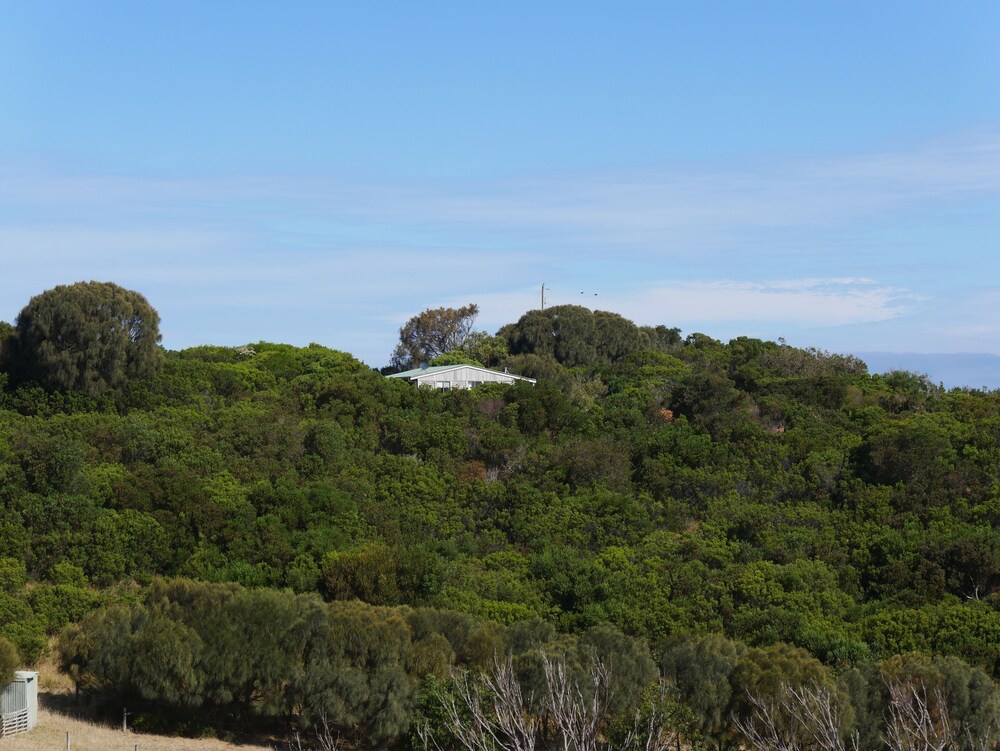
{"type": "Point", "coordinates": [90, 337]}
{"type": "Point", "coordinates": [630, 668]}
{"type": "Point", "coordinates": [353, 671]}
{"type": "Point", "coordinates": [264, 652]}
{"type": "Point", "coordinates": [98, 651]}
{"type": "Point", "coordinates": [769, 675]}
{"type": "Point", "coordinates": [660, 337]}
{"type": "Point", "coordinates": [700, 668]}
{"type": "Point", "coordinates": [9, 660]}
{"type": "Point", "coordinates": [591, 692]}
{"type": "Point", "coordinates": [261, 626]}
{"type": "Point", "coordinates": [861, 686]}
{"type": "Point", "coordinates": [628, 661]}
{"type": "Point", "coordinates": [468, 641]}
{"type": "Point", "coordinates": [166, 660]}
{"type": "Point", "coordinates": [725, 685]}
{"type": "Point", "coordinates": [431, 333]}
{"type": "Point", "coordinates": [485, 348]}
{"type": "Point", "coordinates": [348, 665]}
{"type": "Point", "coordinates": [972, 700]}
{"type": "Point", "coordinates": [7, 338]}
{"type": "Point", "coordinates": [574, 335]}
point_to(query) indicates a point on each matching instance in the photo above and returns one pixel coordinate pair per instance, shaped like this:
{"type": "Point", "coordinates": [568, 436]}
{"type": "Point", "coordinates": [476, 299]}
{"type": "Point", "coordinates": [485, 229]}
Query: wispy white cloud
{"type": "Point", "coordinates": [765, 243]}
{"type": "Point", "coordinates": [834, 302]}
{"type": "Point", "coordinates": [697, 304]}
{"type": "Point", "coordinates": [780, 191]}
{"type": "Point", "coordinates": [783, 191]}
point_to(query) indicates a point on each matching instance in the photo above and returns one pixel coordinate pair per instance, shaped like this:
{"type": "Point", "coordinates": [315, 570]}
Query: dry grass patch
{"type": "Point", "coordinates": [50, 735]}
{"type": "Point", "coordinates": [50, 679]}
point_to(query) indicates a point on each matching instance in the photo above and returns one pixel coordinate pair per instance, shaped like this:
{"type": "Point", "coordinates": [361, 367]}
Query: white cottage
{"type": "Point", "coordinates": [457, 376]}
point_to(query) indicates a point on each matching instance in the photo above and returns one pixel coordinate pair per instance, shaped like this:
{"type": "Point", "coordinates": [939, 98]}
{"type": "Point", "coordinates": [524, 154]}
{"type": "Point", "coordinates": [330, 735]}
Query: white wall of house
{"type": "Point", "coordinates": [463, 378]}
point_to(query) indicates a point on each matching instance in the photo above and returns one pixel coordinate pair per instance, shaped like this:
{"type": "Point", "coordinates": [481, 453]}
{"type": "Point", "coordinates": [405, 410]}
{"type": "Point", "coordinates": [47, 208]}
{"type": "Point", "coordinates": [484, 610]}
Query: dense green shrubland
{"type": "Point", "coordinates": [766, 493]}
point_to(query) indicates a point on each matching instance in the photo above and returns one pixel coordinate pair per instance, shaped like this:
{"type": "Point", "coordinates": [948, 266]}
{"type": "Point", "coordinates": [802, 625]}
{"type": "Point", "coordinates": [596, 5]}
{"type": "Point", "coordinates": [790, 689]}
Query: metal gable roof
{"type": "Point", "coordinates": [439, 369]}
{"type": "Point", "coordinates": [425, 371]}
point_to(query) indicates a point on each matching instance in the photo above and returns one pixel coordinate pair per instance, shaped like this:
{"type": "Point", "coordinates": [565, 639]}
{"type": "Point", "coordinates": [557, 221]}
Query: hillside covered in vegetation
{"type": "Point", "coordinates": [357, 537]}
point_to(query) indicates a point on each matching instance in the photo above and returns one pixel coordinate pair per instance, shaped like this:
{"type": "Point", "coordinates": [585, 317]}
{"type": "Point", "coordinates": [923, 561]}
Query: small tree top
{"type": "Point", "coordinates": [432, 333]}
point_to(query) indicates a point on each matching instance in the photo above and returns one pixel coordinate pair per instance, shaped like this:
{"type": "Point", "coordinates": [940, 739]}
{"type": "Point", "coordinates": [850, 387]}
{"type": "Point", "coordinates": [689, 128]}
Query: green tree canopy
{"type": "Point", "coordinates": [700, 668]}
{"type": "Point", "coordinates": [432, 333]}
{"type": "Point", "coordinates": [575, 335]}
{"type": "Point", "coordinates": [9, 660]}
{"type": "Point", "coordinates": [7, 338]}
{"type": "Point", "coordinates": [89, 337]}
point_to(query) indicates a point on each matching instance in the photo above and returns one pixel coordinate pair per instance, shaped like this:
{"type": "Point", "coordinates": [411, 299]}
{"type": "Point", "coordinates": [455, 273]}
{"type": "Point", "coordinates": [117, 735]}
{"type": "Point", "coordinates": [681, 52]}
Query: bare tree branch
{"type": "Point", "coordinates": [579, 715]}
{"type": "Point", "coordinates": [918, 721]}
{"type": "Point", "coordinates": [325, 739]}
{"type": "Point", "coordinates": [803, 718]}
{"type": "Point", "coordinates": [651, 730]}
{"type": "Point", "coordinates": [491, 713]}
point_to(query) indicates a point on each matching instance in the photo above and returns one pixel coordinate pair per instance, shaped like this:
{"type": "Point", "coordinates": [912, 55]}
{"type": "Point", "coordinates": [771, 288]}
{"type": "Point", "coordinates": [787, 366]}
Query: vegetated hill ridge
{"type": "Point", "coordinates": [663, 486]}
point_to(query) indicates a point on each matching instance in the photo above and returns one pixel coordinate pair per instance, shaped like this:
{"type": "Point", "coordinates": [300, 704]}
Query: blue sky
{"type": "Point", "coordinates": [824, 172]}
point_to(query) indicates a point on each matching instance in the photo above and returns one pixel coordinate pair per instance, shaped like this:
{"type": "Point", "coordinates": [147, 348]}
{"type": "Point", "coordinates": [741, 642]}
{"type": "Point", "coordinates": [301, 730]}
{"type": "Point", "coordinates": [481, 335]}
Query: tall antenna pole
{"type": "Point", "coordinates": [543, 295]}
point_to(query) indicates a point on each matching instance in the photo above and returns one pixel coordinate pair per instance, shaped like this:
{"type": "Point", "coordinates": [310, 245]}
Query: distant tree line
{"type": "Point", "coordinates": [540, 341]}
